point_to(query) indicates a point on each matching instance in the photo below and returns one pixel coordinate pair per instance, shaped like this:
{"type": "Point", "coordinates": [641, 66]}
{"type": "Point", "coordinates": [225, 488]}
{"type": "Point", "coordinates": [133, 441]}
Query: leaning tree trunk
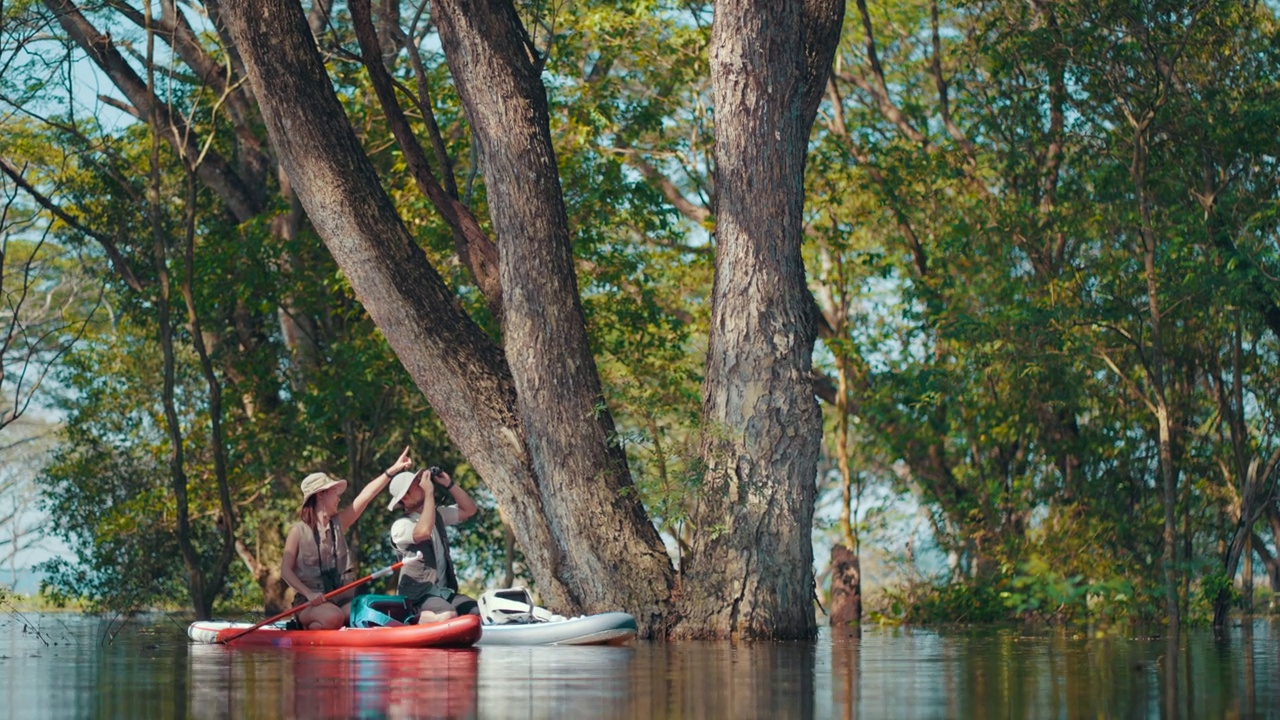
{"type": "Point", "coordinates": [596, 518]}
{"type": "Point", "coordinates": [1272, 513]}
{"type": "Point", "coordinates": [1270, 562]}
{"type": "Point", "coordinates": [582, 526]}
{"type": "Point", "coordinates": [1257, 478]}
{"type": "Point", "coordinates": [750, 571]}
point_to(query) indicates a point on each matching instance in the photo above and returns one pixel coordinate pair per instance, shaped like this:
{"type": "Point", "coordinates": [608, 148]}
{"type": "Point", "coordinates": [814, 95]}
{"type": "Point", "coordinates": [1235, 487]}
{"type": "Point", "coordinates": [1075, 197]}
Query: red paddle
{"type": "Point", "coordinates": [327, 596]}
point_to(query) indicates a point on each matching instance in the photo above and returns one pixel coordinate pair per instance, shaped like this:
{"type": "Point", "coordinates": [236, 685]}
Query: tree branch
{"type": "Point", "coordinates": [214, 172]}
{"type": "Point", "coordinates": [880, 91]}
{"type": "Point", "coordinates": [944, 104]}
{"type": "Point", "coordinates": [424, 105]}
{"type": "Point", "coordinates": [838, 126]}
{"type": "Point", "coordinates": [108, 245]}
{"type": "Point", "coordinates": [477, 252]}
{"type": "Point", "coordinates": [697, 213]}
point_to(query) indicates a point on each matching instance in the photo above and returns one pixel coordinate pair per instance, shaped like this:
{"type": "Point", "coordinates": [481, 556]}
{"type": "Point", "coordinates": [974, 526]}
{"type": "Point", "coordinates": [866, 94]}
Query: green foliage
{"type": "Point", "coordinates": [1042, 592]}
{"type": "Point", "coordinates": [1037, 592]}
{"type": "Point", "coordinates": [997, 310]}
{"type": "Point", "coordinates": [348, 408]}
{"type": "Point", "coordinates": [107, 486]}
{"type": "Point", "coordinates": [1213, 586]}
{"type": "Point", "coordinates": [942, 603]}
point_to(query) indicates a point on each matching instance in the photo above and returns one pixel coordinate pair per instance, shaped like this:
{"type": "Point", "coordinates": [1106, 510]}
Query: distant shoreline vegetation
{"type": "Point", "coordinates": [11, 601]}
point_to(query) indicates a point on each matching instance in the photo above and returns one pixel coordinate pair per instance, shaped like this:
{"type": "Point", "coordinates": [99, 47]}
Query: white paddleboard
{"type": "Point", "coordinates": [611, 628]}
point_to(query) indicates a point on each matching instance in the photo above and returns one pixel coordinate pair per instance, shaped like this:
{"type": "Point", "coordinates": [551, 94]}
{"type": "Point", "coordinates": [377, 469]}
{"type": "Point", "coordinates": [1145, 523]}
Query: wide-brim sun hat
{"type": "Point", "coordinates": [319, 482]}
{"type": "Point", "coordinates": [399, 487]}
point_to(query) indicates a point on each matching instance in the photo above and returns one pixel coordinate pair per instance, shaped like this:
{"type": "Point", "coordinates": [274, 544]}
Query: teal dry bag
{"type": "Point", "coordinates": [381, 611]}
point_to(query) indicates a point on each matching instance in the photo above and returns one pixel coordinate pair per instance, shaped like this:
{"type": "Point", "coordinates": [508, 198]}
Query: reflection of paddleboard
{"type": "Point", "coordinates": [611, 628]}
{"type": "Point", "coordinates": [457, 632]}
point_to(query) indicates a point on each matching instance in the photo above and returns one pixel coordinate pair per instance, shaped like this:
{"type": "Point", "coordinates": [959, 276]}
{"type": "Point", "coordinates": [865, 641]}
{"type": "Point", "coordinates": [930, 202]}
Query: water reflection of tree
{"type": "Point", "coordinates": [1009, 673]}
{"type": "Point", "coordinates": [707, 680]}
{"type": "Point", "coordinates": [846, 678]}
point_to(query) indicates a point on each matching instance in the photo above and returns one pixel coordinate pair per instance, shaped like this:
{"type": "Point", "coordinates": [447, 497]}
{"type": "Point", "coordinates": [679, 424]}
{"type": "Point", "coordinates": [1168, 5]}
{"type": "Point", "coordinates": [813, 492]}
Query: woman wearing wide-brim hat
{"type": "Point", "coordinates": [316, 558]}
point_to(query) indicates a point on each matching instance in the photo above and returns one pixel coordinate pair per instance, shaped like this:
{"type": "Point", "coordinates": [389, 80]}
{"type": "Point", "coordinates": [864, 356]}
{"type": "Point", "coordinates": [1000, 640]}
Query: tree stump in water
{"type": "Point", "coordinates": [846, 589]}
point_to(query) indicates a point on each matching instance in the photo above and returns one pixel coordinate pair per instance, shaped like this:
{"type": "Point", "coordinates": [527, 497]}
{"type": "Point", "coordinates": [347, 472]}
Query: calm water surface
{"type": "Point", "coordinates": [69, 666]}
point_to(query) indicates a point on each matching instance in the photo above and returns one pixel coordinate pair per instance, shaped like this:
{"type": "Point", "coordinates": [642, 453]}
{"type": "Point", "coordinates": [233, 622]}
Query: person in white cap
{"type": "Point", "coordinates": [430, 584]}
{"type": "Point", "coordinates": [316, 558]}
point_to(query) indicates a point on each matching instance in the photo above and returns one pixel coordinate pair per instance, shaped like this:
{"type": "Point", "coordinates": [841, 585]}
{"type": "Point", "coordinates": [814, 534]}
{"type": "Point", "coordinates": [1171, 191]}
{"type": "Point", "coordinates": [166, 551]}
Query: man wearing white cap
{"type": "Point", "coordinates": [316, 558]}
{"type": "Point", "coordinates": [429, 584]}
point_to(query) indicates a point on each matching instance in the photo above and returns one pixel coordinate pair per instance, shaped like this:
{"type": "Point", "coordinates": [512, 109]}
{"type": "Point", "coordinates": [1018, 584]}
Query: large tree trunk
{"type": "Point", "coordinates": [750, 571]}
{"type": "Point", "coordinates": [580, 524]}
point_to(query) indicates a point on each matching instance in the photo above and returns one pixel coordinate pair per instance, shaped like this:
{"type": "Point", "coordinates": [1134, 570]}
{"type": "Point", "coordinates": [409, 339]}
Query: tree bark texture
{"type": "Point", "coordinates": [750, 572]}
{"type": "Point", "coordinates": [594, 513]}
{"type": "Point", "coordinates": [846, 590]}
{"type": "Point", "coordinates": [580, 523]}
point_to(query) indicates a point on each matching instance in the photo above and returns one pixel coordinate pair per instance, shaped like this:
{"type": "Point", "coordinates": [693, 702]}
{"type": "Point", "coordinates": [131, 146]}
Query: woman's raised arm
{"type": "Point", "coordinates": [373, 489]}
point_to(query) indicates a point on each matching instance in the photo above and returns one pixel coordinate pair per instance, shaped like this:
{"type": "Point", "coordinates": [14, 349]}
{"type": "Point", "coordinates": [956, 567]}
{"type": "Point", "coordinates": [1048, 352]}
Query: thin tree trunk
{"type": "Point", "coordinates": [846, 566]}
{"type": "Point", "coordinates": [1235, 550]}
{"type": "Point", "coordinates": [846, 590]}
{"type": "Point", "coordinates": [226, 518]}
{"type": "Point", "coordinates": [266, 574]}
{"type": "Point", "coordinates": [1184, 591]}
{"type": "Point", "coordinates": [508, 556]}
{"type": "Point", "coordinates": [298, 329]}
{"type": "Point", "coordinates": [476, 251]}
{"type": "Point", "coordinates": [1164, 423]}
{"type": "Point", "coordinates": [750, 571]}
{"type": "Point", "coordinates": [1246, 572]}
{"type": "Point", "coordinates": [197, 584]}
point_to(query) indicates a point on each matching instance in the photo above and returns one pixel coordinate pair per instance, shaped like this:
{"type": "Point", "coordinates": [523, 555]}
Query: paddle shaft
{"type": "Point", "coordinates": [327, 596]}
